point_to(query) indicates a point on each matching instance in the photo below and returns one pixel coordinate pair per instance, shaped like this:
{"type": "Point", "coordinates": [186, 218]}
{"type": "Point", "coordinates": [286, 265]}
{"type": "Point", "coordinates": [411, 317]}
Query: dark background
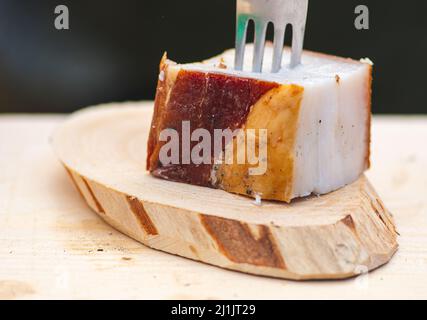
{"type": "Point", "coordinates": [112, 50]}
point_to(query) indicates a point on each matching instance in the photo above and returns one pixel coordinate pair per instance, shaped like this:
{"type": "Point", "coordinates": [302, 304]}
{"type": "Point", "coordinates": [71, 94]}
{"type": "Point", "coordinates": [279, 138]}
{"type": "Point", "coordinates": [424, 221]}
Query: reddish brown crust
{"type": "Point", "coordinates": [159, 106]}
{"type": "Point", "coordinates": [92, 194]}
{"type": "Point", "coordinates": [209, 101]}
{"type": "Point", "coordinates": [138, 210]}
{"type": "Point", "coordinates": [238, 244]}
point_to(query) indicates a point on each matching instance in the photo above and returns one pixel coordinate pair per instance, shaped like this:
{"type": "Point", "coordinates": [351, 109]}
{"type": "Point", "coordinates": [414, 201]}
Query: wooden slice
{"type": "Point", "coordinates": [334, 236]}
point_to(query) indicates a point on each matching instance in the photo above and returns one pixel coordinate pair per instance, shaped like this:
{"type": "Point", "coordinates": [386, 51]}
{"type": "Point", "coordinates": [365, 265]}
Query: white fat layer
{"type": "Point", "coordinates": [331, 144]}
{"type": "Point", "coordinates": [332, 134]}
{"type": "Point", "coordinates": [314, 67]}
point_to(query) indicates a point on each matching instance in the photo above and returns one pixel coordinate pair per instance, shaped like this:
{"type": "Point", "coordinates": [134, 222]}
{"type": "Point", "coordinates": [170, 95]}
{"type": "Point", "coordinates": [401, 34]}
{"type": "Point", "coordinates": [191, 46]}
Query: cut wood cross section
{"type": "Point", "coordinates": [334, 236]}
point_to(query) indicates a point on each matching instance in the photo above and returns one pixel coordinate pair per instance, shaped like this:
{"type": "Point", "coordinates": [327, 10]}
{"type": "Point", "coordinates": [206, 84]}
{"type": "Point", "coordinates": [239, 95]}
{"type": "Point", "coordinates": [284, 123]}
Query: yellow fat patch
{"type": "Point", "coordinates": [277, 112]}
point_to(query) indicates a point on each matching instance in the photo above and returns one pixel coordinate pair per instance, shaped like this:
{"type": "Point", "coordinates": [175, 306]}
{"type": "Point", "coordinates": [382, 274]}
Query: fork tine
{"type": "Point", "coordinates": [262, 12]}
{"type": "Point", "coordinates": [298, 30]}
{"type": "Point", "coordinates": [241, 30]}
{"type": "Point", "coordinates": [297, 45]}
{"type": "Point", "coordinates": [279, 40]}
{"type": "Point", "coordinates": [260, 33]}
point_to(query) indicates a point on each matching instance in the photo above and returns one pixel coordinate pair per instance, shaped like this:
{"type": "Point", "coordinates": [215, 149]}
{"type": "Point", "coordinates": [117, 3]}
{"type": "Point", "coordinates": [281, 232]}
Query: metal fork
{"type": "Point", "coordinates": [280, 13]}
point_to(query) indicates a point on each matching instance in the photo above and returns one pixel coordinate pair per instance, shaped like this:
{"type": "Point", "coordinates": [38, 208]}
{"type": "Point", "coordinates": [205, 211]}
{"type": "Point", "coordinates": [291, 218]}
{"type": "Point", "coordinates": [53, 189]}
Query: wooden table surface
{"type": "Point", "coordinates": [53, 246]}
